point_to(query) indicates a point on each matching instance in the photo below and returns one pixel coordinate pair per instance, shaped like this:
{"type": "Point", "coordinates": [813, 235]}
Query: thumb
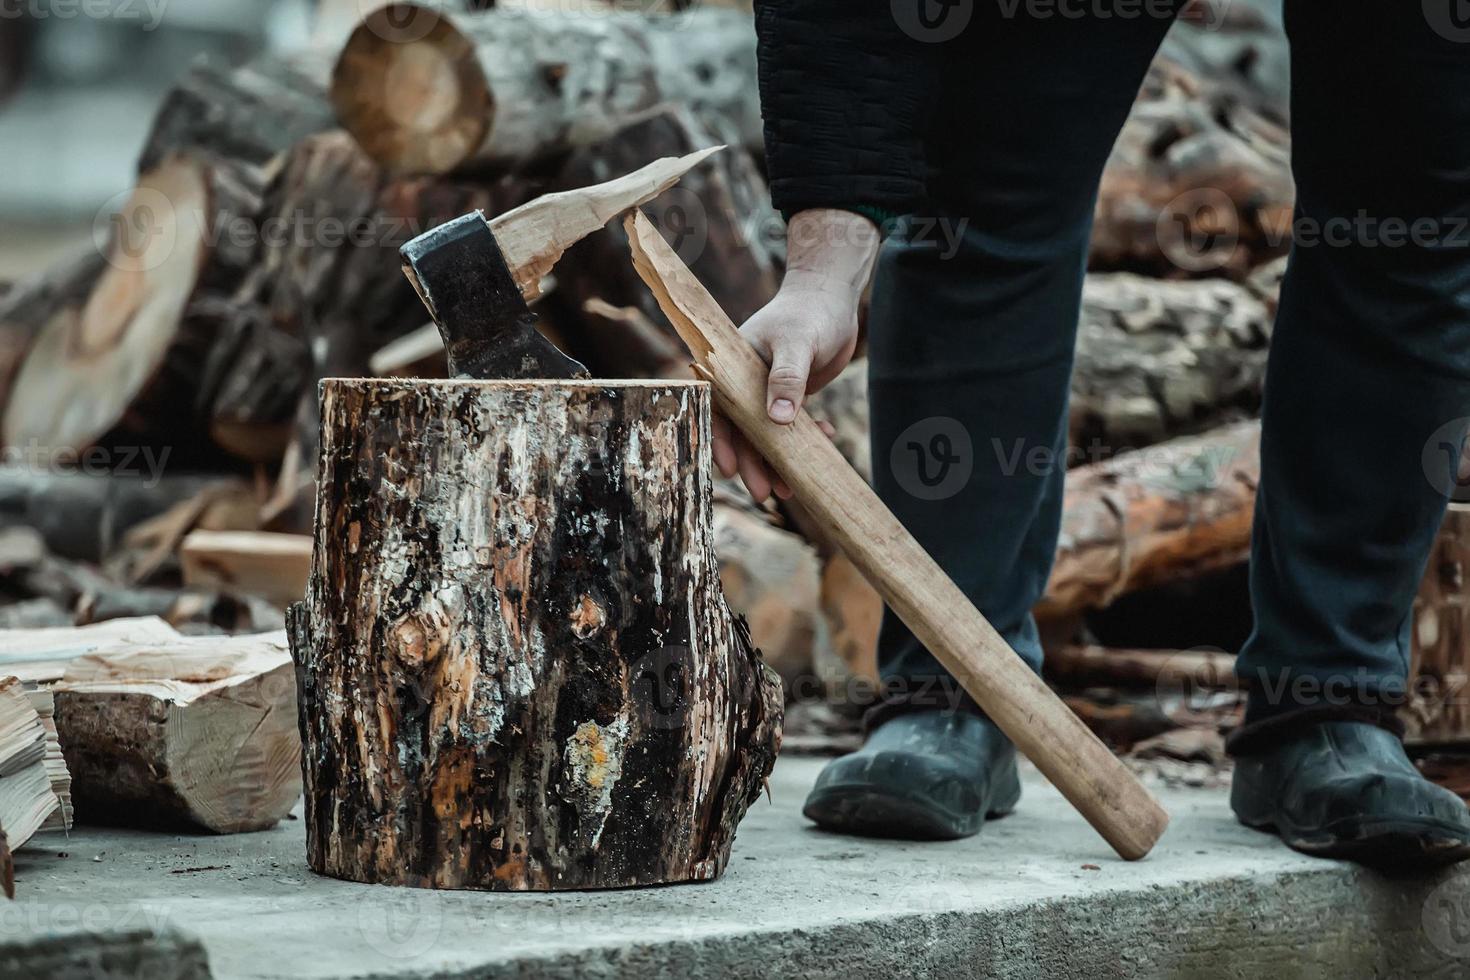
{"type": "Point", "coordinates": [786, 385]}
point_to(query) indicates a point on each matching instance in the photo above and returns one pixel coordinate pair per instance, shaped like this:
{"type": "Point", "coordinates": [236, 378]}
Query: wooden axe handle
{"type": "Point", "coordinates": [914, 586]}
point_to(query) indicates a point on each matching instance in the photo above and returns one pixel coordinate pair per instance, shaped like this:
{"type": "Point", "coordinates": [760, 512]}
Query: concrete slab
{"type": "Point", "coordinates": [1036, 895]}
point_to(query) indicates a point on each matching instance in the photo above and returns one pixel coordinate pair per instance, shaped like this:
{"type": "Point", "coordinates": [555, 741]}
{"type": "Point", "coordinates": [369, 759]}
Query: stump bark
{"type": "Point", "coordinates": [516, 667]}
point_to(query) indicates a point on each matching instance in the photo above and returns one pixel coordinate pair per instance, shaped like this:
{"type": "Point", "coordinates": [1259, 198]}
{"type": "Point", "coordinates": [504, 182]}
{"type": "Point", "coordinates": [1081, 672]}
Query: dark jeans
{"type": "Point", "coordinates": [972, 336]}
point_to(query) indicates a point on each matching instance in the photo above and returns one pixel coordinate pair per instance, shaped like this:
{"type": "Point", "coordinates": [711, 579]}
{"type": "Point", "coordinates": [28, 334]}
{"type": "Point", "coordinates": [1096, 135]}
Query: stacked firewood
{"type": "Point", "coordinates": [176, 369]}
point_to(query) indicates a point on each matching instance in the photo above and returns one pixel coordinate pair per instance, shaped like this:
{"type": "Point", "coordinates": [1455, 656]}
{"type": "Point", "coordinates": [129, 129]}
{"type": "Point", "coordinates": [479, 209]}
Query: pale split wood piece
{"type": "Point", "coordinates": [160, 729]}
{"type": "Point", "coordinates": [533, 236]}
{"type": "Point", "coordinates": [1101, 788]}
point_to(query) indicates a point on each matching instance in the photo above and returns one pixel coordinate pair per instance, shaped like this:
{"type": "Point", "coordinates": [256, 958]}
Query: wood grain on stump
{"type": "Point", "coordinates": [516, 667]}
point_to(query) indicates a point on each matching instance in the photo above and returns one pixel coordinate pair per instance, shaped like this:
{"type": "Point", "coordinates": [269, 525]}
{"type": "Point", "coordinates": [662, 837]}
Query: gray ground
{"type": "Point", "coordinates": [1036, 895]}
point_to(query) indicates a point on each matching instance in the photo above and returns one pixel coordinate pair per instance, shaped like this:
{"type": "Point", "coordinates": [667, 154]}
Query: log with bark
{"type": "Point", "coordinates": [1175, 510]}
{"type": "Point", "coordinates": [193, 732]}
{"type": "Point", "coordinates": [131, 359]}
{"type": "Point", "coordinates": [516, 666]}
{"type": "Point", "coordinates": [248, 114]}
{"type": "Point", "coordinates": [1159, 359]}
{"type": "Point", "coordinates": [425, 91]}
{"type": "Point", "coordinates": [86, 516]}
{"type": "Point", "coordinates": [1182, 670]}
{"type": "Point", "coordinates": [1198, 184]}
{"type": "Point", "coordinates": [125, 369]}
{"type": "Point", "coordinates": [1439, 672]}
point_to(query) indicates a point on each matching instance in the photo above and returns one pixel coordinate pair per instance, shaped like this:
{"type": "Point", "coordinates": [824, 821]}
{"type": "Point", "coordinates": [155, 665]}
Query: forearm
{"type": "Point", "coordinates": [831, 250]}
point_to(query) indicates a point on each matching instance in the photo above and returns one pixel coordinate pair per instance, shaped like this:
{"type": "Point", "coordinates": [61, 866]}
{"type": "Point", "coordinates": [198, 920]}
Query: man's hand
{"type": "Point", "coordinates": [806, 333]}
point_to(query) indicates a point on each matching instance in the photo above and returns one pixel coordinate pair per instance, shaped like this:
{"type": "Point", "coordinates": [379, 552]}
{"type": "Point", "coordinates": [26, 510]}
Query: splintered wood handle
{"type": "Point", "coordinates": [914, 586]}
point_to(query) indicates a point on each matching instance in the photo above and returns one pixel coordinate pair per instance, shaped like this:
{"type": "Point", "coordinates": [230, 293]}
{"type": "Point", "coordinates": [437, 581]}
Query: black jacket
{"type": "Point", "coordinates": [847, 97]}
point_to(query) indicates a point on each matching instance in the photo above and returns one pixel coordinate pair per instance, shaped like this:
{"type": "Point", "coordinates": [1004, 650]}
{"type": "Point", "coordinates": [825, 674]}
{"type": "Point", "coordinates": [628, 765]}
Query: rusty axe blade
{"type": "Point", "coordinates": [476, 276]}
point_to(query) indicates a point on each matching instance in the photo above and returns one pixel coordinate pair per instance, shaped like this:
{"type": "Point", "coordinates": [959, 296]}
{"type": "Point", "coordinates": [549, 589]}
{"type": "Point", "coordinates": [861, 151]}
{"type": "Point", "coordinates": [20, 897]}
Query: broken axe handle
{"type": "Point", "coordinates": [914, 586]}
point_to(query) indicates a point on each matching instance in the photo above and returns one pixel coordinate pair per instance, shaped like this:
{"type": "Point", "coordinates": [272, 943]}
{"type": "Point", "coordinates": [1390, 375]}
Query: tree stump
{"type": "Point", "coordinates": [517, 670]}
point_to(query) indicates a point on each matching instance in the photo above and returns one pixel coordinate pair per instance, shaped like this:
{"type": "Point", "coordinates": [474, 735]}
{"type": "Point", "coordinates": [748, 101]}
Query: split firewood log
{"type": "Point", "coordinates": [1123, 719]}
{"type": "Point", "coordinates": [27, 799]}
{"type": "Point", "coordinates": [1159, 359]}
{"type": "Point", "coordinates": [1198, 184]}
{"type": "Point", "coordinates": [425, 91]}
{"type": "Point", "coordinates": [852, 611]}
{"type": "Point", "coordinates": [183, 731]}
{"type": "Point", "coordinates": [38, 658]}
{"type": "Point", "coordinates": [537, 688]}
{"type": "Point", "coordinates": [719, 217]}
{"type": "Point", "coordinates": [272, 566]}
{"type": "Point", "coordinates": [28, 571]}
{"type": "Point", "coordinates": [165, 317]}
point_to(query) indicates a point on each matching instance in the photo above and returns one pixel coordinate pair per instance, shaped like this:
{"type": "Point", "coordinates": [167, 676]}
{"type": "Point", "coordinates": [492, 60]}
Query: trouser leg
{"type": "Point", "coordinates": [974, 316]}
{"type": "Point", "coordinates": [1368, 385]}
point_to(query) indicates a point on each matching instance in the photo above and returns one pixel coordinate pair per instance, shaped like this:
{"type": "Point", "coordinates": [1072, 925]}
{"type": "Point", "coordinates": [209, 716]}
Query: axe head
{"type": "Point", "coordinates": [488, 330]}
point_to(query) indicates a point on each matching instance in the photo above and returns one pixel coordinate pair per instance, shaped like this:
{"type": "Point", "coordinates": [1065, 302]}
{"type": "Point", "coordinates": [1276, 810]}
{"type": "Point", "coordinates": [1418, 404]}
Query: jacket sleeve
{"type": "Point", "coordinates": [846, 95]}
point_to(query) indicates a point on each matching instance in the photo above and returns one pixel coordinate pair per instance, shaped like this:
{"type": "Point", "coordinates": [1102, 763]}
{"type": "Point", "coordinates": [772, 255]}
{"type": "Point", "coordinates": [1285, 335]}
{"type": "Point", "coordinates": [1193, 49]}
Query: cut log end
{"type": "Point", "coordinates": [87, 366]}
{"type": "Point", "coordinates": [409, 88]}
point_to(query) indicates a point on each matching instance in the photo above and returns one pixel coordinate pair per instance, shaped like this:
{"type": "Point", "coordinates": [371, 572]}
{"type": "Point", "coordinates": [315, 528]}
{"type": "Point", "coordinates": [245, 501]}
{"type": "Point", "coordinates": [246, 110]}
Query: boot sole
{"type": "Point", "coordinates": [866, 810]}
{"type": "Point", "coordinates": [1388, 845]}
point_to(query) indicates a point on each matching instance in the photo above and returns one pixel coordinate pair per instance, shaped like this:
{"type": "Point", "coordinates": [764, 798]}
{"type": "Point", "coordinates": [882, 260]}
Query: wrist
{"type": "Point", "coordinates": [830, 249]}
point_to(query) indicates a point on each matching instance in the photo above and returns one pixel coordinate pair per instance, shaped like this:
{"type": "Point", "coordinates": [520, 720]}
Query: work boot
{"type": "Point", "coordinates": [931, 775]}
{"type": "Point", "coordinates": [1346, 789]}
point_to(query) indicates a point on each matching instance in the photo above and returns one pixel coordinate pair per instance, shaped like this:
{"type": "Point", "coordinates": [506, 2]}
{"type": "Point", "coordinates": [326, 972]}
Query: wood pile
{"type": "Point", "coordinates": [159, 403]}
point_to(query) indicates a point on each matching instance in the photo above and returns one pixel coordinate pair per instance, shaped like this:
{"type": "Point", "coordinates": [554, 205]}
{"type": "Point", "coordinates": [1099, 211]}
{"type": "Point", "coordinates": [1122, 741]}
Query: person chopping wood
{"type": "Point", "coordinates": [970, 138]}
